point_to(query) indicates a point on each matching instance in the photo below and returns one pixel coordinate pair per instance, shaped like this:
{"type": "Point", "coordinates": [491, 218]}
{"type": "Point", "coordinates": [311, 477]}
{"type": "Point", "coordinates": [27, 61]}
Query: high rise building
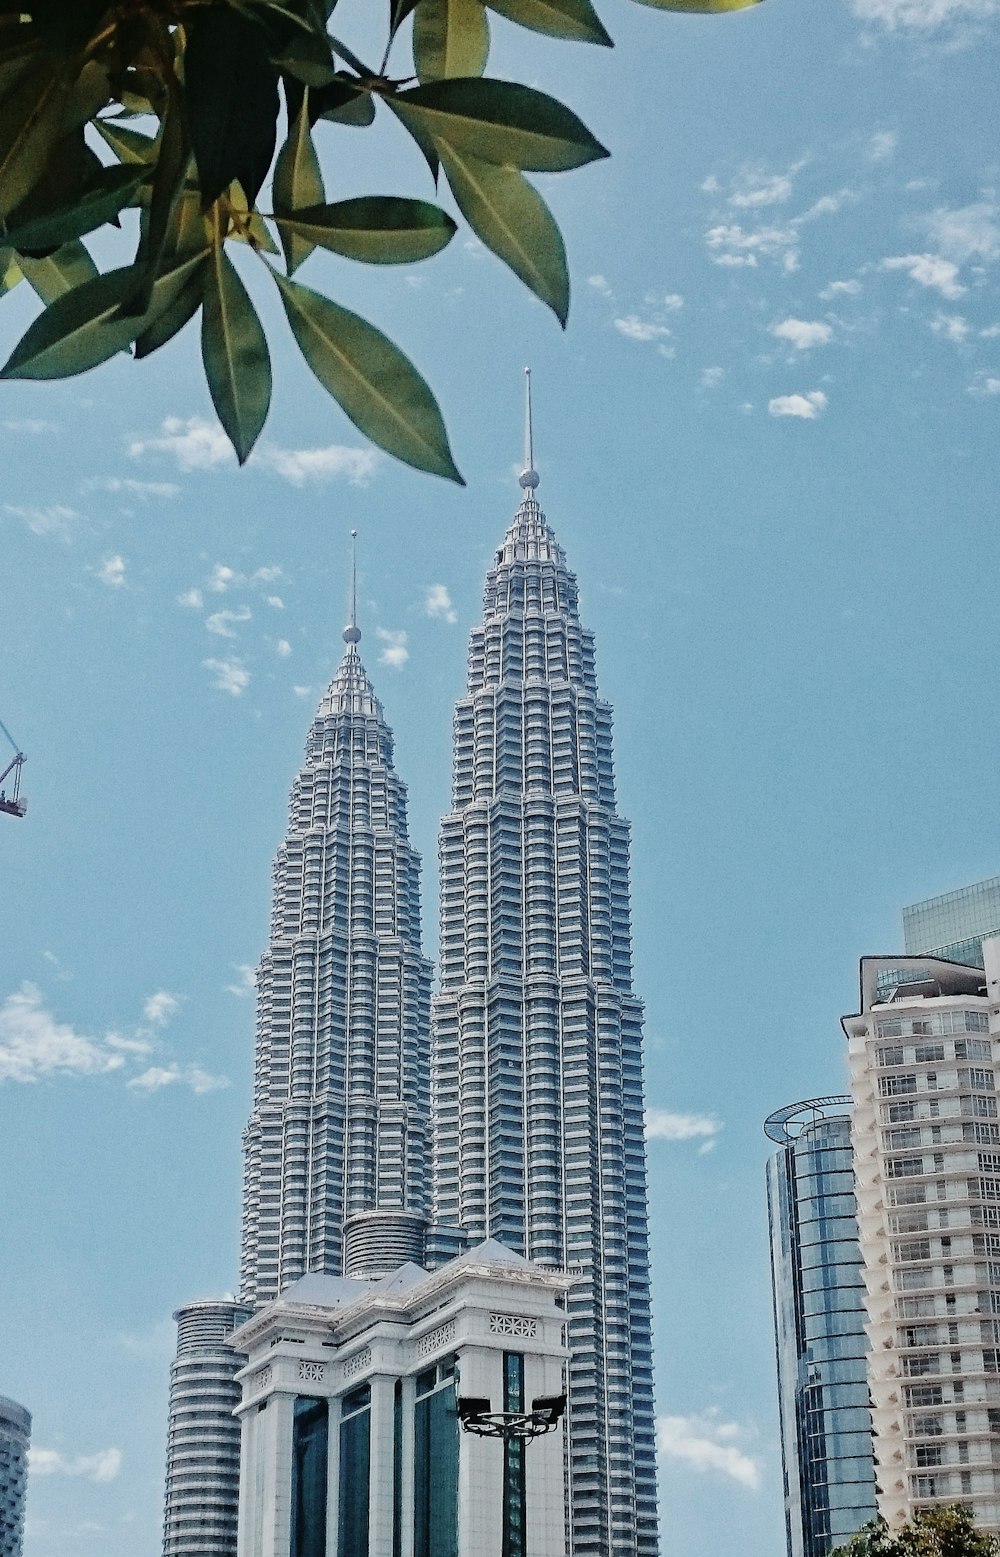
{"type": "Point", "coordinates": [337, 1147]}
{"type": "Point", "coordinates": [923, 1060]}
{"type": "Point", "coordinates": [819, 1322]}
{"type": "Point", "coordinates": [15, 1436]}
{"type": "Point", "coordinates": [953, 925]}
{"type": "Point", "coordinates": [537, 1032]}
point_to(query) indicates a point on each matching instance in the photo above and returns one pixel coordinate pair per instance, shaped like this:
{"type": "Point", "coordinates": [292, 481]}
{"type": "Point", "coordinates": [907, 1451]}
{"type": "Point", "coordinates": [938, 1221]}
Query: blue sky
{"type": "Point", "coordinates": [768, 442]}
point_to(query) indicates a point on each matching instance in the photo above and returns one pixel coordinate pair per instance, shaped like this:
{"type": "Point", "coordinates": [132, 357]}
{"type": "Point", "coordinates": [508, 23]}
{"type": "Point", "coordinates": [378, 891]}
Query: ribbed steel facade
{"type": "Point", "coordinates": [203, 1438]}
{"type": "Point", "coordinates": [537, 1034]}
{"type": "Point", "coordinates": [15, 1436]}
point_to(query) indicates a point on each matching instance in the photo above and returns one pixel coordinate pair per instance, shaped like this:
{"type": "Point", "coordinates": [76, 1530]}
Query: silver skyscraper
{"type": "Point", "coordinates": [537, 1034]}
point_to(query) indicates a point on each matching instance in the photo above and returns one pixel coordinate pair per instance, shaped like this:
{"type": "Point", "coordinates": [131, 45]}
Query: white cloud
{"type": "Point", "coordinates": [985, 384]}
{"type": "Point", "coordinates": [923, 15]}
{"type": "Point", "coordinates": [705, 1443]}
{"type": "Point", "coordinates": [159, 1008]}
{"type": "Point", "coordinates": [29, 424]}
{"type": "Point", "coordinates": [221, 623]}
{"type": "Point", "coordinates": [928, 270]}
{"type": "Point", "coordinates": [437, 604]}
{"type": "Point", "coordinates": [671, 302]}
{"type": "Point", "coordinates": [711, 378]}
{"type": "Point", "coordinates": [395, 653]}
{"type": "Point", "coordinates": [760, 189]}
{"type": "Point", "coordinates": [140, 489]}
{"type": "Point", "coordinates": [275, 602]}
{"type": "Point", "coordinates": [193, 598]}
{"type": "Point", "coordinates": [231, 676]}
{"type": "Point", "coordinates": [840, 289]}
{"type": "Point", "coordinates": [283, 648]}
{"type": "Point", "coordinates": [302, 691]}
{"type": "Point", "coordinates": [268, 575]}
{"type": "Point", "coordinates": [194, 443]}
{"type": "Point", "coordinates": [803, 333]}
{"type": "Point", "coordinates": [990, 333]}
{"type": "Point", "coordinates": [248, 979]}
{"type": "Point", "coordinates": [636, 329]}
{"type": "Point", "coordinates": [732, 244]}
{"type": "Point", "coordinates": [159, 1076]}
{"type": "Point", "coordinates": [807, 407]}
{"type": "Point", "coordinates": [662, 1125]}
{"type": "Point", "coordinates": [952, 326]}
{"type": "Point", "coordinates": [222, 578]}
{"type": "Point", "coordinates": [112, 572]}
{"type": "Point", "coordinates": [599, 284]}
{"type": "Point", "coordinates": [967, 232]}
{"type": "Point", "coordinates": [33, 1044]}
{"type": "Point", "coordinates": [734, 260]}
{"type": "Point", "coordinates": [882, 146]}
{"type": "Point", "coordinates": [334, 463]}
{"type": "Point", "coordinates": [56, 519]}
{"type": "Point", "coordinates": [102, 1466]}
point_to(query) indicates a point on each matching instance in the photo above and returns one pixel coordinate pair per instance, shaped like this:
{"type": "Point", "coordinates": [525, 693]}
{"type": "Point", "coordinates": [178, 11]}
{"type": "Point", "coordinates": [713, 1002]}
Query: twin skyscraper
{"type": "Point", "coordinates": [394, 1130]}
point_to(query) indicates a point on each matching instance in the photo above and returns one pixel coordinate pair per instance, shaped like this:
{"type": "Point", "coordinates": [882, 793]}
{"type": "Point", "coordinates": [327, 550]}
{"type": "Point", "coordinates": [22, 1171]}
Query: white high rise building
{"type": "Point", "coordinates": [15, 1436]}
{"type": "Point", "coordinates": [924, 1056]}
{"type": "Point", "coordinates": [537, 1032]}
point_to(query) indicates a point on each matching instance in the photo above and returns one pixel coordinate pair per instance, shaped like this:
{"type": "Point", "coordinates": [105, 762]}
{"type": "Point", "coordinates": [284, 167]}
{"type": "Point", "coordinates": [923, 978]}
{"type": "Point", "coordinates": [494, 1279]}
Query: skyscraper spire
{"type": "Point", "coordinates": [352, 632]}
{"type": "Point", "coordinates": [528, 478]}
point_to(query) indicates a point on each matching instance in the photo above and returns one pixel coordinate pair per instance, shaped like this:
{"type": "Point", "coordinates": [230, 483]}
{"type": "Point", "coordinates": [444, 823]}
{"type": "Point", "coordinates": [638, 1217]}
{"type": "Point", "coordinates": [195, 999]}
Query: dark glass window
{"type": "Point", "coordinates": [514, 1534]}
{"type": "Point", "coordinates": [435, 1455]}
{"type": "Point", "coordinates": [355, 1471]}
{"type": "Point", "coordinates": [310, 1436]}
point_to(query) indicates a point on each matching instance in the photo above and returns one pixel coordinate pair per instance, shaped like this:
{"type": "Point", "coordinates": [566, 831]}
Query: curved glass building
{"type": "Point", "coordinates": [819, 1322]}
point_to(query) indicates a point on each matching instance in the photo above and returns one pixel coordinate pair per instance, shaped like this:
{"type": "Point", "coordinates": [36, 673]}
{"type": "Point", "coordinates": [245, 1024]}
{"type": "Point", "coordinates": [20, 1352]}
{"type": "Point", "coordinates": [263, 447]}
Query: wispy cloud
{"type": "Point", "coordinates": [437, 604]}
{"type": "Point", "coordinates": [223, 623]}
{"type": "Point", "coordinates": [230, 676]}
{"type": "Point", "coordinates": [247, 977]}
{"type": "Point", "coordinates": [192, 598]}
{"type": "Point", "coordinates": [159, 1008]}
{"type": "Point", "coordinates": [196, 444]}
{"type": "Point", "coordinates": [840, 289]}
{"type": "Point", "coordinates": [704, 1443]}
{"type": "Point", "coordinates": [663, 1125]}
{"type": "Point", "coordinates": [985, 384]}
{"type": "Point", "coordinates": [56, 519]}
{"type": "Point", "coordinates": [33, 1044]}
{"type": "Point", "coordinates": [635, 329]}
{"type": "Point", "coordinates": [600, 284]}
{"type": "Point", "coordinates": [758, 189]}
{"type": "Point", "coordinates": [333, 463]}
{"type": "Point", "coordinates": [33, 425]}
{"type": "Point", "coordinates": [882, 146]}
{"type": "Point", "coordinates": [395, 654]}
{"type": "Point", "coordinates": [967, 232]}
{"type": "Point", "coordinates": [141, 489]}
{"type": "Point", "coordinates": [925, 16]}
{"type": "Point", "coordinates": [112, 571]}
{"type": "Point", "coordinates": [928, 270]}
{"type": "Point", "coordinates": [105, 1465]}
{"type": "Point", "coordinates": [803, 333]}
{"type": "Point", "coordinates": [159, 1076]}
{"type": "Point", "coordinates": [806, 407]}
{"type": "Point", "coordinates": [283, 648]}
{"type": "Point", "coordinates": [952, 326]}
{"type": "Point", "coordinates": [711, 378]}
{"type": "Point", "coordinates": [730, 243]}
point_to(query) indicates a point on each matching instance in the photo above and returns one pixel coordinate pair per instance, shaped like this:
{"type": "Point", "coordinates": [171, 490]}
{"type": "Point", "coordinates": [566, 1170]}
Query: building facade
{"type": "Point", "coordinates": [537, 1031]}
{"type": "Point", "coordinates": [15, 1437]}
{"type": "Point", "coordinates": [923, 1060]}
{"type": "Point", "coordinates": [354, 1395]}
{"type": "Point", "coordinates": [819, 1321]}
{"type": "Point", "coordinates": [953, 925]}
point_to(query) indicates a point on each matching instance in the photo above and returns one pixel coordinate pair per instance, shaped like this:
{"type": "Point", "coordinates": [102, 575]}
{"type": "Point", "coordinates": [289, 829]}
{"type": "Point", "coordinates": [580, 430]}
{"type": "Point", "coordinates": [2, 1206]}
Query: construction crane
{"type": "Point", "coordinates": [12, 804]}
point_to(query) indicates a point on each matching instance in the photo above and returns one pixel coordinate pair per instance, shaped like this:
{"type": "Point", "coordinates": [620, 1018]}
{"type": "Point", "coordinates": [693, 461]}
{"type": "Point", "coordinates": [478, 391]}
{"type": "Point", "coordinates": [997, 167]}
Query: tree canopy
{"type": "Point", "coordinates": [934, 1532]}
{"type": "Point", "coordinates": [173, 108]}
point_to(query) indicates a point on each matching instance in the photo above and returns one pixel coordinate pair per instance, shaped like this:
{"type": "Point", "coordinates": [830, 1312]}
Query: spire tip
{"type": "Point", "coordinates": [528, 479]}
{"type": "Point", "coordinates": [352, 632]}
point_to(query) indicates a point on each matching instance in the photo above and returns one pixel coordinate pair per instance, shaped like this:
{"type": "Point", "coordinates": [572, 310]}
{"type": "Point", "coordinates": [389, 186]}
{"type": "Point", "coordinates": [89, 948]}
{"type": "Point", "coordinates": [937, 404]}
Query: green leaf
{"type": "Point", "coordinates": [298, 182]}
{"type": "Point", "coordinates": [86, 326]}
{"type": "Point", "coordinates": [499, 121]}
{"type": "Point", "coordinates": [110, 192]}
{"type": "Point", "coordinates": [60, 272]}
{"type": "Point", "coordinates": [513, 220]}
{"type": "Point", "coordinates": [10, 272]}
{"type": "Point", "coordinates": [380, 389]}
{"type": "Point", "coordinates": [174, 317]}
{"type": "Point", "coordinates": [343, 52]}
{"type": "Point", "coordinates": [31, 124]}
{"type": "Point", "coordinates": [342, 103]}
{"type": "Point", "coordinates": [234, 351]}
{"type": "Point", "coordinates": [450, 38]}
{"type": "Point", "coordinates": [379, 229]}
{"type": "Point", "coordinates": [309, 58]}
{"type": "Point", "coordinates": [573, 19]}
{"type": "Point", "coordinates": [700, 7]}
{"type": "Point", "coordinates": [127, 145]}
{"type": "Point", "coordinates": [399, 10]}
{"type": "Point", "coordinates": [231, 93]}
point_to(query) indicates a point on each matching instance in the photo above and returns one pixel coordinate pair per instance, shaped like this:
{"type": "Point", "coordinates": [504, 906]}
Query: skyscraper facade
{"type": "Point", "coordinates": [537, 1032]}
{"type": "Point", "coordinates": [923, 1060]}
{"type": "Point", "coordinates": [953, 925]}
{"type": "Point", "coordinates": [819, 1321]}
{"type": "Point", "coordinates": [15, 1436]}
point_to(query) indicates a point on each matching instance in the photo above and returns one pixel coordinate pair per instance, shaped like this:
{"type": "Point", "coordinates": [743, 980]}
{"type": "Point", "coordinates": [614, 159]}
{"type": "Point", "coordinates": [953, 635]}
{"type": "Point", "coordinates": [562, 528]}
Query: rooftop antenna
{"type": "Point", "coordinates": [352, 632]}
{"type": "Point", "coordinates": [528, 479]}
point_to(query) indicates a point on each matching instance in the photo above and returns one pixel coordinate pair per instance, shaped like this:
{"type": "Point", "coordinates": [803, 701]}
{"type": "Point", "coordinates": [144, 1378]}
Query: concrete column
{"type": "Point", "coordinates": [333, 1480]}
{"type": "Point", "coordinates": [407, 1486]}
{"type": "Point", "coordinates": [543, 1458]}
{"type": "Point", "coordinates": [480, 1460]}
{"type": "Point", "coordinates": [380, 1502]}
{"type": "Point", "coordinates": [276, 1514]}
{"type": "Point", "coordinates": [247, 1520]}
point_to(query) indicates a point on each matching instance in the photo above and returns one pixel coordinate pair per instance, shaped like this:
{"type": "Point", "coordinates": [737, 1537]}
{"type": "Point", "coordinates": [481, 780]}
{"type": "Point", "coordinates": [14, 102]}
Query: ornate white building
{"type": "Point", "coordinates": [537, 1032]}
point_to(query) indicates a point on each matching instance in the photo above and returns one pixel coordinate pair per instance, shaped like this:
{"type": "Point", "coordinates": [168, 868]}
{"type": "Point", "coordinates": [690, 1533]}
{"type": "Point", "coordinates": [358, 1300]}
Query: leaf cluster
{"type": "Point", "coordinates": [172, 109]}
{"type": "Point", "coordinates": [933, 1532]}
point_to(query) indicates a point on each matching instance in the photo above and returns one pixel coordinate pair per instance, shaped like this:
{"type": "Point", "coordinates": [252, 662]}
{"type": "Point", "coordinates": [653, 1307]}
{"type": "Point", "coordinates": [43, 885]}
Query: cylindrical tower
{"type": "Point", "coordinates": [15, 1436]}
{"type": "Point", "coordinates": [819, 1321]}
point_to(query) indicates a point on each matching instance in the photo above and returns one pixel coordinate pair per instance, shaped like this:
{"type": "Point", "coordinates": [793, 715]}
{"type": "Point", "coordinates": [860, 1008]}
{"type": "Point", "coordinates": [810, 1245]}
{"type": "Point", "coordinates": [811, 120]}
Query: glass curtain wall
{"type": "Point", "coordinates": [435, 1445]}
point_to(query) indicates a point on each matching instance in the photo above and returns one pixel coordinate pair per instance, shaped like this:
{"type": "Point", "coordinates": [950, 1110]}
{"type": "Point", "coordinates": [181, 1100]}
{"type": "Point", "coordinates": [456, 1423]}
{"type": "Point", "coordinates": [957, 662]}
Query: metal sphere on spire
{"type": "Point", "coordinates": [528, 479]}
{"type": "Point", "coordinates": [352, 632]}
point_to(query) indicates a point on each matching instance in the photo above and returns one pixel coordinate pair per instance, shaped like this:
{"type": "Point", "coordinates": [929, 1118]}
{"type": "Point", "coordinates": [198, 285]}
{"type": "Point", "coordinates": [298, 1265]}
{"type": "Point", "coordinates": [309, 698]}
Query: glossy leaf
{"type": "Point", "coordinates": [234, 352]}
{"type": "Point", "coordinates": [111, 191]}
{"type": "Point", "coordinates": [231, 92]}
{"type": "Point", "coordinates": [342, 103]}
{"type": "Point", "coordinates": [127, 145]}
{"type": "Point", "coordinates": [399, 10]}
{"type": "Point", "coordinates": [379, 229]}
{"type": "Point", "coordinates": [298, 182]}
{"type": "Point", "coordinates": [513, 220]}
{"type": "Point", "coordinates": [57, 274]}
{"type": "Point", "coordinates": [86, 326]}
{"type": "Point", "coordinates": [572, 19]}
{"type": "Point", "coordinates": [30, 126]}
{"type": "Point", "coordinates": [10, 272]}
{"type": "Point", "coordinates": [379, 389]}
{"type": "Point", "coordinates": [499, 121]}
{"type": "Point", "coordinates": [309, 58]}
{"type": "Point", "coordinates": [174, 317]}
{"type": "Point", "coordinates": [450, 38]}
